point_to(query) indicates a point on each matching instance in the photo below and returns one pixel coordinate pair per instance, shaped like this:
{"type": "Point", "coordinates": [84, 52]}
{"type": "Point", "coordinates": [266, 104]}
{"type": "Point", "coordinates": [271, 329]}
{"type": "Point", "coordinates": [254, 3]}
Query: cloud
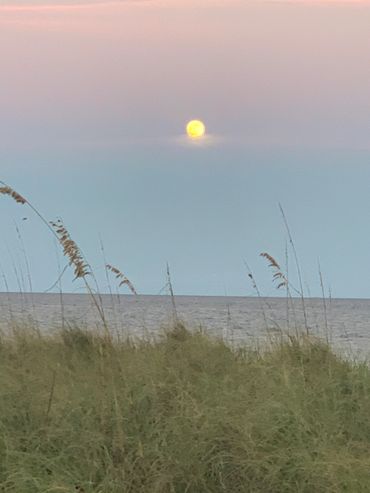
{"type": "Point", "coordinates": [45, 5]}
{"type": "Point", "coordinates": [77, 4]}
{"type": "Point", "coordinates": [32, 3]}
{"type": "Point", "coordinates": [51, 4]}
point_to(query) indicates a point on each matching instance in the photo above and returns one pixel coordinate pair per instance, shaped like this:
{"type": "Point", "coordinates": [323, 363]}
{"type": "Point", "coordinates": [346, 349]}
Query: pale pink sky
{"type": "Point", "coordinates": [272, 72]}
{"type": "Point", "coordinates": [93, 105]}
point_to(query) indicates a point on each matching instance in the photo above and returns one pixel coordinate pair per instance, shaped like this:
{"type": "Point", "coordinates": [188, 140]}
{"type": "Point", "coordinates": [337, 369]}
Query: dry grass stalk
{"type": "Point", "coordinates": [278, 275]}
{"type": "Point", "coordinates": [71, 250]}
{"type": "Point", "coordinates": [6, 190]}
{"type": "Point", "coordinates": [324, 303]}
{"type": "Point", "coordinates": [51, 394]}
{"type": "Point", "coordinates": [170, 287]}
{"type": "Point", "coordinates": [300, 292]}
{"type": "Point", "coordinates": [122, 277]}
{"type": "Point", "coordinates": [76, 259]}
{"type": "Point", "coordinates": [254, 285]}
{"type": "Point", "coordinates": [256, 289]}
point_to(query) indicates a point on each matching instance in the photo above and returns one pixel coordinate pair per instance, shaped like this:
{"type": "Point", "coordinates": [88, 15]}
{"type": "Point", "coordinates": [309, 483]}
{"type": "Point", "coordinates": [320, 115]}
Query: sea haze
{"type": "Point", "coordinates": [236, 319]}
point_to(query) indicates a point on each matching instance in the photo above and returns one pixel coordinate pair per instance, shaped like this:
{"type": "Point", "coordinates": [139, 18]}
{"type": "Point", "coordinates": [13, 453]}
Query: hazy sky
{"type": "Point", "coordinates": [94, 97]}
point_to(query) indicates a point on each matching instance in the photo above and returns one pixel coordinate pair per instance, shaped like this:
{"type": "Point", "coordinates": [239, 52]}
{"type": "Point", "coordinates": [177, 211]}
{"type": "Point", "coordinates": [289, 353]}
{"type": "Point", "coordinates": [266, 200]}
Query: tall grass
{"type": "Point", "coordinates": [90, 413]}
{"type": "Point", "coordinates": [79, 412]}
{"type": "Point", "coordinates": [71, 250]}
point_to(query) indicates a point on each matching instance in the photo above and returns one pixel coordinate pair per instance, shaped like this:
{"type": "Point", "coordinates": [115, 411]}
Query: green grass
{"type": "Point", "coordinates": [185, 414]}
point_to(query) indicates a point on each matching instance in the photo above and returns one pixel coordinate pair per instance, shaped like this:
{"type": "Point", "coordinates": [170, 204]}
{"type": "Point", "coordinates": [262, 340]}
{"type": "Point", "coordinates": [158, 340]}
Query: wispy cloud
{"type": "Point", "coordinates": [14, 5]}
{"type": "Point", "coordinates": [61, 4]}
{"type": "Point", "coordinates": [50, 3]}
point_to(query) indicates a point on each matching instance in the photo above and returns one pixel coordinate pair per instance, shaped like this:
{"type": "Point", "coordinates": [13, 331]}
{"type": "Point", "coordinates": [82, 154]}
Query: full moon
{"type": "Point", "coordinates": [195, 129]}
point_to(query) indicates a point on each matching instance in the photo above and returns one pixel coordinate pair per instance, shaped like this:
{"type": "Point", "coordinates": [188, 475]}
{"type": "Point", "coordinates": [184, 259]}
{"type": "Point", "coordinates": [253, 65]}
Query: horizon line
{"type": "Point", "coordinates": [282, 297]}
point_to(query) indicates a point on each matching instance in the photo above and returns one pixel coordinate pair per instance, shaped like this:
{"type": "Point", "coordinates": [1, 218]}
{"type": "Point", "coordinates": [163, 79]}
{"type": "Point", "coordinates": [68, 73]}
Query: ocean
{"type": "Point", "coordinates": [238, 320]}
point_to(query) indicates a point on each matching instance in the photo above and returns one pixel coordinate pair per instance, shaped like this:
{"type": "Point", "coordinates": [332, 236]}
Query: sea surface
{"type": "Point", "coordinates": [238, 320]}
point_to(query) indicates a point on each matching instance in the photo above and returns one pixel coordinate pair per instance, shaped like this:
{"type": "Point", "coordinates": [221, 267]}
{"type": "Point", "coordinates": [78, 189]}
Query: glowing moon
{"type": "Point", "coordinates": [195, 129]}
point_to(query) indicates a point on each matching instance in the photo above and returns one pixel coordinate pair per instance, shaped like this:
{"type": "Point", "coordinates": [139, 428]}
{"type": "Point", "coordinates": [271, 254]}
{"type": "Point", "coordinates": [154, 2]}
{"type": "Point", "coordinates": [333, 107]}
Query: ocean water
{"type": "Point", "coordinates": [239, 320]}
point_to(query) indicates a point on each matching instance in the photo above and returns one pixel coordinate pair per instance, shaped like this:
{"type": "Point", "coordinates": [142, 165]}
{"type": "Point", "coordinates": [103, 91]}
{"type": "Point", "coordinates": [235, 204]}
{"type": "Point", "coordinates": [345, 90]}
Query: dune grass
{"type": "Point", "coordinates": [80, 412]}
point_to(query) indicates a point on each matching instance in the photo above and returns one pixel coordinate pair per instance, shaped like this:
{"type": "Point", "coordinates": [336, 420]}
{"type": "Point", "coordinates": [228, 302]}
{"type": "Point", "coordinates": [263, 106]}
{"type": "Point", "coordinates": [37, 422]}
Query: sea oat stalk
{"type": "Point", "coordinates": [70, 248]}
{"type": "Point", "coordinates": [122, 277]}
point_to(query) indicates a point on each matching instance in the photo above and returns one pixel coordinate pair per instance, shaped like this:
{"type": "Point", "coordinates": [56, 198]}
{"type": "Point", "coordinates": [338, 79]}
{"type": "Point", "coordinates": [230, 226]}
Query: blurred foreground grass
{"type": "Point", "coordinates": [79, 412]}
